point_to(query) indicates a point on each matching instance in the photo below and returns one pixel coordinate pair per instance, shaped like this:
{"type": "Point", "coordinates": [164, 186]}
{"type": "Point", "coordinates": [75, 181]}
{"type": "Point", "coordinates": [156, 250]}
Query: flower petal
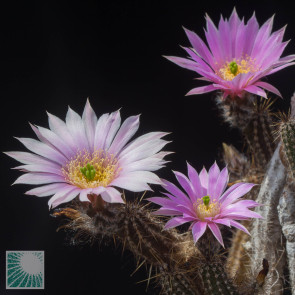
{"type": "Point", "coordinates": [46, 190]}
{"type": "Point", "coordinates": [237, 193]}
{"type": "Point", "coordinates": [212, 179]}
{"type": "Point", "coordinates": [176, 221]}
{"type": "Point", "coordinates": [111, 195]}
{"type": "Point", "coordinates": [38, 178]}
{"type": "Point", "coordinates": [216, 232]}
{"type": "Point", "coordinates": [127, 130]}
{"type": "Point", "coordinates": [89, 119]}
{"type": "Point", "coordinates": [221, 183]}
{"type": "Point", "coordinates": [196, 183]}
{"type": "Point", "coordinates": [198, 230]}
{"type": "Point", "coordinates": [201, 90]}
{"type": "Point", "coordinates": [239, 226]}
{"type": "Point", "coordinates": [268, 87]}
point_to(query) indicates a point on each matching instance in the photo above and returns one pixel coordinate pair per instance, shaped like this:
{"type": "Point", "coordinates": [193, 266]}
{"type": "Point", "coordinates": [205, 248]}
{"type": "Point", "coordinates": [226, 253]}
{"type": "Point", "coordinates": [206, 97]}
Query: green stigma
{"type": "Point", "coordinates": [206, 201]}
{"type": "Point", "coordinates": [233, 67]}
{"type": "Point", "coordinates": [88, 171]}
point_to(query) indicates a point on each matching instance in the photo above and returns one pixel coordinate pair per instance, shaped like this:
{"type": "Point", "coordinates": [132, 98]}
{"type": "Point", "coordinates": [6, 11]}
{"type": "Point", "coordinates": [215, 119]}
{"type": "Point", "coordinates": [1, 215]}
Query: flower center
{"type": "Point", "coordinates": [237, 66]}
{"type": "Point", "coordinates": [205, 207]}
{"type": "Point", "coordinates": [88, 170]}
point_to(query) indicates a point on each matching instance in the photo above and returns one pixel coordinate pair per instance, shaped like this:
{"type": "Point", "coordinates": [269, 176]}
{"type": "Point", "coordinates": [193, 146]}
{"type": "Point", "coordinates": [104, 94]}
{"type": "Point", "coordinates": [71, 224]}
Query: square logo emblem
{"type": "Point", "coordinates": [24, 269]}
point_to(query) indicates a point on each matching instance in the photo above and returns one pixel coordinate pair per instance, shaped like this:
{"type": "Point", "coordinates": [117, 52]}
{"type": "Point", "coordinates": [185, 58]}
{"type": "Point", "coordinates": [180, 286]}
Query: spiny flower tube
{"type": "Point", "coordinates": [206, 202]}
{"type": "Point", "coordinates": [238, 57]}
{"type": "Point", "coordinates": [90, 156]}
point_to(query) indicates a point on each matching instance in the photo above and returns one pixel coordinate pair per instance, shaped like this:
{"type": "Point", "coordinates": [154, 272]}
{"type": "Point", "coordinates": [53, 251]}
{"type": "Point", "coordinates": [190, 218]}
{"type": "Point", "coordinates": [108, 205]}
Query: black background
{"type": "Point", "coordinates": [56, 54]}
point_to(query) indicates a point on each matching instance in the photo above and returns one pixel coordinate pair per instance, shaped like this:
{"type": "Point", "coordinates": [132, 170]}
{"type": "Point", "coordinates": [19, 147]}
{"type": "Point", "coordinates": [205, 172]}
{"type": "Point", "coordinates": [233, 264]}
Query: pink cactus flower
{"type": "Point", "coordinates": [205, 202]}
{"type": "Point", "coordinates": [90, 155]}
{"type": "Point", "coordinates": [238, 57]}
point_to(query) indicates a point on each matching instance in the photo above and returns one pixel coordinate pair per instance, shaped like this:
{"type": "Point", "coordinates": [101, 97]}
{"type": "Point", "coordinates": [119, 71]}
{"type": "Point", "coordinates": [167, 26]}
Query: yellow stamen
{"type": "Point", "coordinates": [237, 66]}
{"type": "Point", "coordinates": [105, 167]}
{"type": "Point", "coordinates": [205, 210]}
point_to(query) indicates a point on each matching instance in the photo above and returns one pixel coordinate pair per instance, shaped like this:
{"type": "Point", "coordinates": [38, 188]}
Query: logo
{"type": "Point", "coordinates": [24, 269]}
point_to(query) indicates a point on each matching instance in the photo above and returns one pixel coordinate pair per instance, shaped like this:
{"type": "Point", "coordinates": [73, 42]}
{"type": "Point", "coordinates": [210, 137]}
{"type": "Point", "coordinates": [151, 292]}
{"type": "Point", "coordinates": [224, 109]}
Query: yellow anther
{"type": "Point", "coordinates": [105, 167]}
{"type": "Point", "coordinates": [205, 210]}
{"type": "Point", "coordinates": [237, 66]}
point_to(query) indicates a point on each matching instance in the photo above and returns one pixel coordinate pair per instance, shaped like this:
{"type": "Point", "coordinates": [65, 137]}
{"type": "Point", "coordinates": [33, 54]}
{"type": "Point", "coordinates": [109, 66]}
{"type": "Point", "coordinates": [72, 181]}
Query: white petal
{"type": "Point", "coordinates": [127, 130]}
{"type": "Point", "coordinates": [89, 119]}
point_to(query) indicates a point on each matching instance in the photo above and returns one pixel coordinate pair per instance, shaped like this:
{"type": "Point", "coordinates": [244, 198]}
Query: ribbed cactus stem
{"type": "Point", "coordinates": [266, 234]}
{"type": "Point", "coordinates": [180, 284]}
{"type": "Point", "coordinates": [216, 281]}
{"type": "Point", "coordinates": [140, 232]}
{"type": "Point", "coordinates": [286, 210]}
{"type": "Point", "coordinates": [253, 118]}
{"type": "Point", "coordinates": [287, 133]}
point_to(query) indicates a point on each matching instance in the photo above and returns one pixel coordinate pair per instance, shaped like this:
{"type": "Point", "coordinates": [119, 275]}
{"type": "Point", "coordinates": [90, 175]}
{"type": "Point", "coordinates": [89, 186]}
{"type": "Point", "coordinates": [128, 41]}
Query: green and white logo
{"type": "Point", "coordinates": [24, 269]}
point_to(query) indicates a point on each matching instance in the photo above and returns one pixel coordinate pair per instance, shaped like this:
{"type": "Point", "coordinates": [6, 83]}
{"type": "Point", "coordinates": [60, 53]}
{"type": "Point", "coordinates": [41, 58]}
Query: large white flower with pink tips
{"type": "Point", "coordinates": [90, 155]}
{"type": "Point", "coordinates": [205, 202]}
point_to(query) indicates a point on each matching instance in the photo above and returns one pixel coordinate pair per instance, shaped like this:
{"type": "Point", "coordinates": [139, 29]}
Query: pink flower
{"type": "Point", "coordinates": [239, 55]}
{"type": "Point", "coordinates": [206, 202]}
{"type": "Point", "coordinates": [90, 155]}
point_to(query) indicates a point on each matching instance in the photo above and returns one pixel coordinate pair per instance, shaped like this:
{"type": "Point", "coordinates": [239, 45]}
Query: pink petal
{"type": "Point", "coordinates": [176, 221]}
{"type": "Point", "coordinates": [163, 202]}
{"type": "Point", "coordinates": [84, 193]}
{"type": "Point", "coordinates": [239, 226]}
{"type": "Point", "coordinates": [198, 59]}
{"type": "Point", "coordinates": [247, 204]}
{"type": "Point", "coordinates": [166, 212]}
{"type": "Point", "coordinates": [237, 193]}
{"type": "Point", "coordinates": [89, 119]}
{"type": "Point", "coordinates": [198, 230]}
{"type": "Point", "coordinates": [77, 130]}
{"type": "Point", "coordinates": [38, 178]}
{"type": "Point", "coordinates": [216, 232]}
{"type": "Point", "coordinates": [50, 168]}
{"type": "Point", "coordinates": [196, 183]}
{"type": "Point", "coordinates": [141, 141]}
{"type": "Point", "coordinates": [204, 180]}
{"type": "Point", "coordinates": [146, 150]}
{"type": "Point", "coordinates": [60, 128]}
{"type": "Point", "coordinates": [201, 90]}
{"type": "Point", "coordinates": [152, 163]}
{"type": "Point", "coordinates": [175, 191]}
{"type": "Point", "coordinates": [114, 127]}
{"type": "Point", "coordinates": [200, 47]}
{"type": "Point", "coordinates": [111, 195]}
{"type": "Point", "coordinates": [242, 214]}
{"type": "Point", "coordinates": [43, 150]}
{"type": "Point", "coordinates": [221, 183]}
{"type": "Point", "coordinates": [268, 87]}
{"type": "Point", "coordinates": [183, 62]}
{"type": "Point", "coordinates": [212, 179]}
{"type": "Point", "coordinates": [132, 181]}
{"type": "Point", "coordinates": [29, 158]}
{"type": "Point", "coordinates": [102, 139]}
{"type": "Point", "coordinates": [228, 191]}
{"type": "Point", "coordinates": [185, 183]}
{"type": "Point", "coordinates": [127, 130]}
{"type": "Point", "coordinates": [52, 139]}
{"type": "Point", "coordinates": [46, 190]}
{"type": "Point", "coordinates": [63, 196]}
{"type": "Point", "coordinates": [223, 221]}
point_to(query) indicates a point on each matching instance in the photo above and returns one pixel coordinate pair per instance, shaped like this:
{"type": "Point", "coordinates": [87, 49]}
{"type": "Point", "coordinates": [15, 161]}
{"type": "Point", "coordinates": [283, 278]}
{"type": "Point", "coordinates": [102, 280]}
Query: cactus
{"type": "Point", "coordinates": [286, 132]}
{"type": "Point", "coordinates": [167, 252]}
{"type": "Point", "coordinates": [286, 211]}
{"type": "Point", "coordinates": [253, 118]}
{"type": "Point", "coordinates": [266, 235]}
